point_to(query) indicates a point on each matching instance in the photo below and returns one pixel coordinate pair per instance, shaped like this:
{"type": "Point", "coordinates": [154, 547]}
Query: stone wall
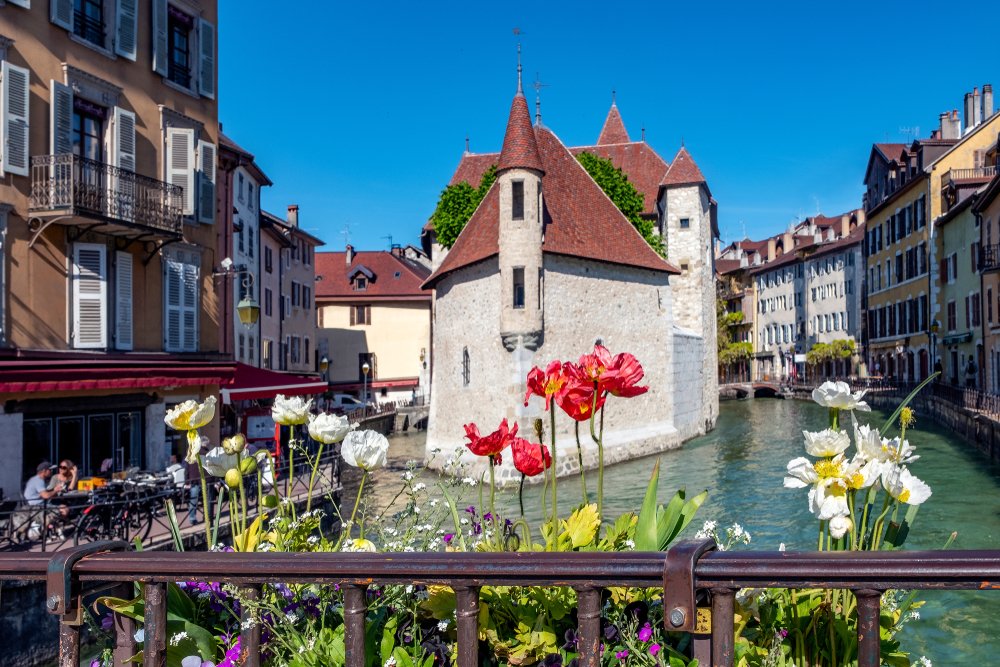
{"type": "Point", "coordinates": [31, 634]}
{"type": "Point", "coordinates": [688, 369]}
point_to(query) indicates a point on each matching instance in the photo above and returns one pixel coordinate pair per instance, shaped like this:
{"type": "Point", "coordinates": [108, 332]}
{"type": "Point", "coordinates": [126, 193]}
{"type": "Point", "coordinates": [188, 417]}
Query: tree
{"type": "Point", "coordinates": [457, 204]}
{"type": "Point", "coordinates": [623, 194]}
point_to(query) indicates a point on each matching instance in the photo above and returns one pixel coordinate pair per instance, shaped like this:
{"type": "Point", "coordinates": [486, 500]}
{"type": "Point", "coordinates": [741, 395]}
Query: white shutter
{"type": "Point", "coordinates": [161, 46]}
{"type": "Point", "coordinates": [190, 308]}
{"type": "Point", "coordinates": [14, 96]}
{"type": "Point", "coordinates": [126, 27]}
{"type": "Point", "coordinates": [206, 59]}
{"type": "Point", "coordinates": [61, 13]}
{"type": "Point", "coordinates": [173, 272]}
{"type": "Point", "coordinates": [89, 295]}
{"type": "Point", "coordinates": [123, 300]}
{"type": "Point", "coordinates": [21, 3]}
{"type": "Point", "coordinates": [180, 164]}
{"type": "Point", "coordinates": [60, 118]}
{"type": "Point", "coordinates": [123, 146]}
{"type": "Point", "coordinates": [206, 182]}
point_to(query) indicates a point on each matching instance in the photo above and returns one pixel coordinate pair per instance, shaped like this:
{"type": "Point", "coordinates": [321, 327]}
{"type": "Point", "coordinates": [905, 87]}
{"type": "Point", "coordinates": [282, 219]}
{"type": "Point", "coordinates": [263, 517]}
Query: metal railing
{"type": "Point", "coordinates": [972, 174]}
{"type": "Point", "coordinates": [68, 184]}
{"type": "Point", "coordinates": [690, 575]}
{"type": "Point", "coordinates": [989, 257]}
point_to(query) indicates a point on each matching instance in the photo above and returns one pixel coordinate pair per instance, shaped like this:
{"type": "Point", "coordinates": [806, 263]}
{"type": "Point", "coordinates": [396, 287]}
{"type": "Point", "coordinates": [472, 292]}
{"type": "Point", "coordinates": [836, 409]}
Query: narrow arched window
{"type": "Point", "coordinates": [465, 367]}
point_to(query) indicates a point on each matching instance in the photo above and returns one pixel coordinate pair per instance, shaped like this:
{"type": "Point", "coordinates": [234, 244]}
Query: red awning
{"type": "Point", "coordinates": [26, 376]}
{"type": "Point", "coordinates": [251, 382]}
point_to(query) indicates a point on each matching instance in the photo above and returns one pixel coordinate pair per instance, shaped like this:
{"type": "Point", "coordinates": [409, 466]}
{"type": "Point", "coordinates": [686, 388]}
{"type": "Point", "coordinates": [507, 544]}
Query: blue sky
{"type": "Point", "coordinates": [359, 111]}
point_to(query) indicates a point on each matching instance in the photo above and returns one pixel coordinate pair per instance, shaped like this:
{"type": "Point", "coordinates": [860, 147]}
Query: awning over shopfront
{"type": "Point", "coordinates": [252, 383]}
{"type": "Point", "coordinates": [28, 376]}
{"type": "Point", "coordinates": [394, 383]}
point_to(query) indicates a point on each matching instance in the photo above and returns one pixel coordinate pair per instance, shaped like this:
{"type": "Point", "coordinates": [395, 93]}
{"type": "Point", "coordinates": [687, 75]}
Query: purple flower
{"type": "Point", "coordinates": [471, 509]}
{"type": "Point", "coordinates": [488, 516]}
{"type": "Point", "coordinates": [621, 655]}
{"type": "Point", "coordinates": [107, 622]}
{"type": "Point", "coordinates": [645, 633]}
{"type": "Point", "coordinates": [449, 537]}
{"type": "Point", "coordinates": [96, 662]}
{"type": "Point", "coordinates": [784, 633]}
{"type": "Point", "coordinates": [654, 649]}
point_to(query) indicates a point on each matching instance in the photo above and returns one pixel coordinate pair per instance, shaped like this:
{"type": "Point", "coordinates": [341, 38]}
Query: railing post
{"type": "Point", "coordinates": [69, 645]}
{"type": "Point", "coordinates": [722, 627]}
{"type": "Point", "coordinates": [154, 644]}
{"type": "Point", "coordinates": [250, 623]}
{"type": "Point", "coordinates": [588, 614]}
{"type": "Point", "coordinates": [355, 609]}
{"type": "Point", "coordinates": [125, 645]}
{"type": "Point", "coordinates": [467, 615]}
{"type": "Point", "coordinates": [868, 627]}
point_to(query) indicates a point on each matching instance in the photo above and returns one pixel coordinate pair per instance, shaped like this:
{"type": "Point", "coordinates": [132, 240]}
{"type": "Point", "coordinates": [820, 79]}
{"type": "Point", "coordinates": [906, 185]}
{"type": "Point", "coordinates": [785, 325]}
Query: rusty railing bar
{"type": "Point", "coordinates": [154, 643]}
{"type": "Point", "coordinates": [124, 628]}
{"type": "Point", "coordinates": [588, 616]}
{"type": "Point", "coordinates": [69, 645]}
{"type": "Point", "coordinates": [869, 636]}
{"type": "Point", "coordinates": [467, 618]}
{"type": "Point", "coordinates": [250, 628]}
{"type": "Point", "coordinates": [355, 608]}
{"type": "Point", "coordinates": [723, 640]}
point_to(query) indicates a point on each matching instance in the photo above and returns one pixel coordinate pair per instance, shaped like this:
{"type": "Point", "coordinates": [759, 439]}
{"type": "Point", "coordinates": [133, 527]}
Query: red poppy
{"type": "Point", "coordinates": [627, 372]}
{"type": "Point", "coordinates": [530, 458]}
{"type": "Point", "coordinates": [492, 444]}
{"type": "Point", "coordinates": [546, 383]}
{"type": "Point", "coordinates": [577, 400]}
{"type": "Point", "coordinates": [596, 366]}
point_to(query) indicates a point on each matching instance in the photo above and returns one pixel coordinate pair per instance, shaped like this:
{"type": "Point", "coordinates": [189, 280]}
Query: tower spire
{"type": "Point", "coordinates": [538, 85]}
{"type": "Point", "coordinates": [520, 91]}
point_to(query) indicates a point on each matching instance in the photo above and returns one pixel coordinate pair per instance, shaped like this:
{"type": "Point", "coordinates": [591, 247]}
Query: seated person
{"type": "Point", "coordinates": [37, 490]}
{"type": "Point", "coordinates": [43, 487]}
{"type": "Point", "coordinates": [66, 478]}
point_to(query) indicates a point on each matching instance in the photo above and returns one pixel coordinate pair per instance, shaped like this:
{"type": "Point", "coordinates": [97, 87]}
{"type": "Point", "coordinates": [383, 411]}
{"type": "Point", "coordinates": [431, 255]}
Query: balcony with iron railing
{"type": "Point", "coordinates": [973, 175]}
{"type": "Point", "coordinates": [67, 187]}
{"type": "Point", "coordinates": [989, 258]}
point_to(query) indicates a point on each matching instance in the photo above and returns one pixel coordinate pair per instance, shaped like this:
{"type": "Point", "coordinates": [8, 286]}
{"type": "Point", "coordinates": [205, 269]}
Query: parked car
{"type": "Point", "coordinates": [347, 403]}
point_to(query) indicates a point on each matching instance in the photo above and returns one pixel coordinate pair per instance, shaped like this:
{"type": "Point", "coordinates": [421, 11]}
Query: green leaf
{"type": "Point", "coordinates": [582, 525]}
{"type": "Point", "coordinates": [388, 638]}
{"type": "Point", "coordinates": [645, 528]}
{"type": "Point", "coordinates": [403, 658]}
{"type": "Point", "coordinates": [691, 507]}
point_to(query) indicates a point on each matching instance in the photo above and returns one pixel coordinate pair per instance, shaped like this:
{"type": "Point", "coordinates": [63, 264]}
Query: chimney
{"type": "Point", "coordinates": [936, 134]}
{"type": "Point", "coordinates": [349, 253]}
{"type": "Point", "coordinates": [293, 215]}
{"type": "Point", "coordinates": [845, 225]}
{"type": "Point", "coordinates": [771, 249]}
{"type": "Point", "coordinates": [952, 128]}
{"type": "Point", "coordinates": [942, 125]}
{"type": "Point", "coordinates": [789, 243]}
{"type": "Point", "coordinates": [396, 250]}
{"type": "Point", "coordinates": [987, 100]}
{"type": "Point", "coordinates": [970, 115]}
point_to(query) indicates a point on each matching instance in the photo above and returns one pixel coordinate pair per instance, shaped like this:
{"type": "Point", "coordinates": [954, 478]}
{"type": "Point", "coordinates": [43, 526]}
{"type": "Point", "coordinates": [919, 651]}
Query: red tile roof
{"type": "Point", "coordinates": [644, 168]}
{"type": "Point", "coordinates": [683, 171]}
{"type": "Point", "coordinates": [472, 167]}
{"type": "Point", "coordinates": [614, 131]}
{"type": "Point", "coordinates": [580, 220]}
{"type": "Point", "coordinates": [519, 149]}
{"type": "Point", "coordinates": [334, 276]}
{"type": "Point", "coordinates": [724, 266]}
{"type": "Point", "coordinates": [892, 151]}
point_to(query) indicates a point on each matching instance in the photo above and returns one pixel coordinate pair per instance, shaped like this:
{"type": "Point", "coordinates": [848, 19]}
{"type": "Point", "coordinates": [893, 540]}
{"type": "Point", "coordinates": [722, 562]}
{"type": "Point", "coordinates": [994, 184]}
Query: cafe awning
{"type": "Point", "coordinates": [28, 376]}
{"type": "Point", "coordinates": [252, 383]}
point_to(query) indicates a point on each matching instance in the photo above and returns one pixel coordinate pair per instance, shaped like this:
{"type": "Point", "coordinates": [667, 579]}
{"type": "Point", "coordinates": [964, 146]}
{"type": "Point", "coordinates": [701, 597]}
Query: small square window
{"type": "Point", "coordinates": [517, 200]}
{"type": "Point", "coordinates": [360, 283]}
{"type": "Point", "coordinates": [685, 223]}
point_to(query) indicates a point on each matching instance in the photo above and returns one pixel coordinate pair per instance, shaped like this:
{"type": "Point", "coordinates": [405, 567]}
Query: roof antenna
{"type": "Point", "coordinates": [390, 239]}
{"type": "Point", "coordinates": [538, 85]}
{"type": "Point", "coordinates": [517, 33]}
{"type": "Point", "coordinates": [346, 232]}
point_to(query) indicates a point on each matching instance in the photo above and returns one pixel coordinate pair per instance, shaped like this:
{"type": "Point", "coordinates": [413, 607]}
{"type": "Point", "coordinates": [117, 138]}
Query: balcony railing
{"type": "Point", "coordinates": [688, 571]}
{"type": "Point", "coordinates": [989, 258]}
{"type": "Point", "coordinates": [70, 185]}
{"type": "Point", "coordinates": [974, 174]}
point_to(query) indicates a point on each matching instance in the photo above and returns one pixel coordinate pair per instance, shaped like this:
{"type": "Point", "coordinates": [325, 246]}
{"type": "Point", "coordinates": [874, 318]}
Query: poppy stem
{"type": "Point", "coordinates": [493, 511]}
{"type": "Point", "coordinates": [204, 503]}
{"type": "Point", "coordinates": [520, 494]}
{"type": "Point", "coordinates": [579, 456]}
{"type": "Point", "coordinates": [555, 471]}
{"type": "Point", "coordinates": [312, 477]}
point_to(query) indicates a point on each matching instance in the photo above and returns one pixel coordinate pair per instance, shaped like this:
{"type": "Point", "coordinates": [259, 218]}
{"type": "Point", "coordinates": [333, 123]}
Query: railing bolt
{"type": "Point", "coordinates": [677, 617]}
{"type": "Point", "coordinates": [53, 602]}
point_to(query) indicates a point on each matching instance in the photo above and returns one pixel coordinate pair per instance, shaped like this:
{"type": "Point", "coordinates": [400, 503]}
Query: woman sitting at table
{"type": "Point", "coordinates": [62, 482]}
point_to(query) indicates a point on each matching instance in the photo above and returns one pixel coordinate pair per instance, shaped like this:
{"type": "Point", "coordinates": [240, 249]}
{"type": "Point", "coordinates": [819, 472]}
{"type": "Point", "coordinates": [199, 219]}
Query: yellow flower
{"type": "Point", "coordinates": [906, 417]}
{"type": "Point", "coordinates": [191, 415]}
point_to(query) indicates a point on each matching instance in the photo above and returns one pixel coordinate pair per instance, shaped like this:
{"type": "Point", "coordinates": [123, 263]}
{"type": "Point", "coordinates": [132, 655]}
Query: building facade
{"type": "Point", "coordinates": [509, 296]}
{"type": "Point", "coordinates": [987, 211]}
{"type": "Point", "coordinates": [960, 331]}
{"type": "Point", "coordinates": [109, 135]}
{"type": "Point", "coordinates": [372, 309]}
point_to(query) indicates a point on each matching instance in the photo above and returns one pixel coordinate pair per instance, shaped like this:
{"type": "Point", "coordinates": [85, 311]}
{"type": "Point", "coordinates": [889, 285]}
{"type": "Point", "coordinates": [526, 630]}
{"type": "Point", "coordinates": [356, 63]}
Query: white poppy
{"type": "Point", "coordinates": [904, 487]}
{"type": "Point", "coordinates": [839, 525]}
{"type": "Point", "coordinates": [838, 395]}
{"type": "Point", "coordinates": [365, 449]}
{"type": "Point", "coordinates": [801, 474]}
{"type": "Point", "coordinates": [190, 414]}
{"type": "Point", "coordinates": [826, 443]}
{"type": "Point", "coordinates": [828, 499]}
{"type": "Point", "coordinates": [217, 462]}
{"type": "Point", "coordinates": [290, 411]}
{"type": "Point", "coordinates": [328, 429]}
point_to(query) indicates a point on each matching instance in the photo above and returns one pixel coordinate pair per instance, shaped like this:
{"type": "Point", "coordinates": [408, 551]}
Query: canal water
{"type": "Point", "coordinates": [742, 463]}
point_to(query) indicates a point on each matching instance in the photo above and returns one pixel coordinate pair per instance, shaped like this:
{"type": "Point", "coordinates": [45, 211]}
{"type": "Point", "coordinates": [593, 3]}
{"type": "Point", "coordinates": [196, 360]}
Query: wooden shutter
{"type": "Point", "coordinates": [14, 95]}
{"type": "Point", "coordinates": [161, 45]}
{"type": "Point", "coordinates": [190, 308]}
{"type": "Point", "coordinates": [126, 27]}
{"type": "Point", "coordinates": [60, 118]}
{"type": "Point", "coordinates": [173, 272]}
{"type": "Point", "coordinates": [61, 13]}
{"type": "Point", "coordinates": [206, 182]}
{"type": "Point", "coordinates": [180, 164]}
{"type": "Point", "coordinates": [206, 59]}
{"type": "Point", "coordinates": [123, 300]}
{"type": "Point", "coordinates": [89, 295]}
{"type": "Point", "coordinates": [123, 146]}
{"type": "Point", "coordinates": [354, 315]}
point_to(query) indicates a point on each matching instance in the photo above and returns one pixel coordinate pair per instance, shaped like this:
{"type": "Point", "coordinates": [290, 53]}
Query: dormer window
{"type": "Point", "coordinates": [360, 283]}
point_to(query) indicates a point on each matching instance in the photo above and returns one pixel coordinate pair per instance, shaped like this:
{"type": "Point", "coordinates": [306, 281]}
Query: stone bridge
{"type": "Point", "coordinates": [757, 389]}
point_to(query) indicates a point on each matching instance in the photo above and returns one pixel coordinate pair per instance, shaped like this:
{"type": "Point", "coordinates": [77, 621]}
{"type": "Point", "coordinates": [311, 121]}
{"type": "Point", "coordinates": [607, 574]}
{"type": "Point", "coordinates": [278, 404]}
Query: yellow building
{"type": "Point", "coordinates": [907, 189]}
{"type": "Point", "coordinates": [372, 310]}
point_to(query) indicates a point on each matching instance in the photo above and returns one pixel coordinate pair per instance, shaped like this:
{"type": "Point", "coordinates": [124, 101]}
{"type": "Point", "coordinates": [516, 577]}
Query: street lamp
{"type": "Point", "coordinates": [364, 393]}
{"type": "Point", "coordinates": [248, 310]}
{"type": "Point", "coordinates": [324, 364]}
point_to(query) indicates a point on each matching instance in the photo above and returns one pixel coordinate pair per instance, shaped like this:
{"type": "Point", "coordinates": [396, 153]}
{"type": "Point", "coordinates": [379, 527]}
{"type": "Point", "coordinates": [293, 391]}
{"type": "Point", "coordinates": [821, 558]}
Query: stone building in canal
{"type": "Point", "coordinates": [547, 266]}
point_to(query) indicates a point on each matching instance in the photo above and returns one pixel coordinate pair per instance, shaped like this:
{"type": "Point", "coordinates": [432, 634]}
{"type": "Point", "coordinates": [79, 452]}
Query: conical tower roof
{"type": "Point", "coordinates": [614, 131]}
{"type": "Point", "coordinates": [519, 147]}
{"type": "Point", "coordinates": [683, 171]}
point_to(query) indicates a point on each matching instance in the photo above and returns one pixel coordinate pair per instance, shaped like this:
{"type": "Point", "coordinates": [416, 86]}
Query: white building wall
{"type": "Point", "coordinates": [776, 322]}
{"type": "Point", "coordinates": [833, 296]}
{"type": "Point", "coordinates": [246, 252]}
